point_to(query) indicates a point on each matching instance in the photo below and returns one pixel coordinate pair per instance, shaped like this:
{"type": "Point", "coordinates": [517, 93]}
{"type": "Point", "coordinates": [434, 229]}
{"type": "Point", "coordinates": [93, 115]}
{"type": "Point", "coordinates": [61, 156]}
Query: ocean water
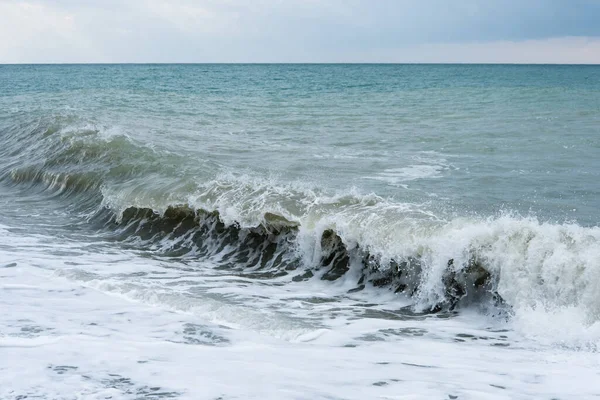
{"type": "Point", "coordinates": [299, 232]}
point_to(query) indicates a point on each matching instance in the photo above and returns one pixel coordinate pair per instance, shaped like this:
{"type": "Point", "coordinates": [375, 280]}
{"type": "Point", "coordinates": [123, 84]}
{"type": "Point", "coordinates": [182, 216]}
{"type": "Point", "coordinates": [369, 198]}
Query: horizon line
{"type": "Point", "coordinates": [299, 63]}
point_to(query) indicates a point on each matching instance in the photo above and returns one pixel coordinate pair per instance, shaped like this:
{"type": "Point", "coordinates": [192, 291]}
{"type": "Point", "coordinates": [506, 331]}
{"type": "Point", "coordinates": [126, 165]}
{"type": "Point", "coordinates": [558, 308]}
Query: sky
{"type": "Point", "coordinates": [437, 31]}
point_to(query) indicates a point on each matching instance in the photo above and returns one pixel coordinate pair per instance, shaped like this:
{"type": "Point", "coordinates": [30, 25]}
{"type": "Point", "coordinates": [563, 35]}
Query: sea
{"type": "Point", "coordinates": [290, 231]}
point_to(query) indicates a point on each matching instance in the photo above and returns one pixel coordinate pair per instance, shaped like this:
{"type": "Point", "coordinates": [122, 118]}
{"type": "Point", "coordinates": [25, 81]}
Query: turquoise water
{"type": "Point", "coordinates": [466, 139]}
{"type": "Point", "coordinates": [347, 207]}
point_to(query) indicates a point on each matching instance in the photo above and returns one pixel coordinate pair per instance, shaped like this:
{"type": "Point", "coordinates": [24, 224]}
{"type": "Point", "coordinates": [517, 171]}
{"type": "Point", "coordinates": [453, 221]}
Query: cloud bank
{"type": "Point", "coordinates": [532, 31]}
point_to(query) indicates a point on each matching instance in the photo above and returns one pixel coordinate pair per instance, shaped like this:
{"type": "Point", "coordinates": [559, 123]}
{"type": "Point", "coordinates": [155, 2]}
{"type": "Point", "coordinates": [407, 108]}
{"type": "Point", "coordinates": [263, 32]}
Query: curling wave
{"type": "Point", "coordinates": [265, 229]}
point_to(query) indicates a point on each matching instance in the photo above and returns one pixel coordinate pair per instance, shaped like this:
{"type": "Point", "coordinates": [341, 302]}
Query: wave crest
{"type": "Point", "coordinates": [266, 229]}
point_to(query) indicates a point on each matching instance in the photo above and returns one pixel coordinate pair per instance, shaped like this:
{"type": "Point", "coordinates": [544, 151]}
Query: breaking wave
{"type": "Point", "coordinates": [265, 228]}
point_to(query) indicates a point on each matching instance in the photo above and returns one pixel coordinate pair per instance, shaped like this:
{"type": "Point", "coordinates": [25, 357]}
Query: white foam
{"type": "Point", "coordinates": [428, 165]}
{"type": "Point", "coordinates": [86, 344]}
{"type": "Point", "coordinates": [123, 326]}
{"type": "Point", "coordinates": [410, 173]}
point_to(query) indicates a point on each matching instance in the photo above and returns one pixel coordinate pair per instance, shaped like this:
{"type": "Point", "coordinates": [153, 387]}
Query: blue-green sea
{"type": "Point", "coordinates": [164, 225]}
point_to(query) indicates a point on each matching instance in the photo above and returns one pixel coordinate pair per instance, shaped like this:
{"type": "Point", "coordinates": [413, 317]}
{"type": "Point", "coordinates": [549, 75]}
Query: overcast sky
{"type": "Point", "coordinates": [521, 31]}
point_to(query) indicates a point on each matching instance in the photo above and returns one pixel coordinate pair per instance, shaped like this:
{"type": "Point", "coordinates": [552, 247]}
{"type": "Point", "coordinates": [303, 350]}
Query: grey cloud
{"type": "Point", "coordinates": [279, 30]}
